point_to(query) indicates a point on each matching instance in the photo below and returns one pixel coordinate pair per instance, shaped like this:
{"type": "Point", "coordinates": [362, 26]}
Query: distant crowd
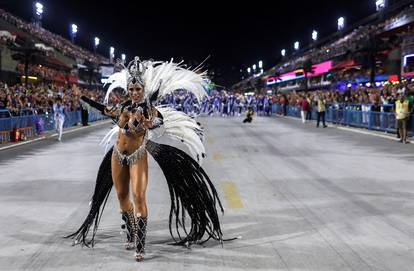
{"type": "Point", "coordinates": [230, 104]}
{"type": "Point", "coordinates": [39, 99]}
{"type": "Point", "coordinates": [51, 39]}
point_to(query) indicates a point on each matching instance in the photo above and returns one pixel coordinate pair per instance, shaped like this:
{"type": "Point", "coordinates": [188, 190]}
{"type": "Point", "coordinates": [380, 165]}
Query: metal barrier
{"type": "Point", "coordinates": [33, 124]}
{"type": "Point", "coordinates": [72, 119]}
{"type": "Point", "coordinates": [5, 125]}
{"type": "Point", "coordinates": [372, 120]}
{"type": "Point", "coordinates": [95, 116]}
{"type": "Point", "coordinates": [5, 120]}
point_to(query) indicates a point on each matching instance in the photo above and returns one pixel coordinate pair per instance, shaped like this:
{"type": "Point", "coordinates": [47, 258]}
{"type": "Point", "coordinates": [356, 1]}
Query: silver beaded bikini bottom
{"type": "Point", "coordinates": [127, 160]}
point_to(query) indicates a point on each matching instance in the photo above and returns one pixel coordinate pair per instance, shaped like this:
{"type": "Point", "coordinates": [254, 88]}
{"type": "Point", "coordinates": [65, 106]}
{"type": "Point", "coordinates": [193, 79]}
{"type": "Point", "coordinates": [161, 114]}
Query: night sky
{"type": "Point", "coordinates": [236, 35]}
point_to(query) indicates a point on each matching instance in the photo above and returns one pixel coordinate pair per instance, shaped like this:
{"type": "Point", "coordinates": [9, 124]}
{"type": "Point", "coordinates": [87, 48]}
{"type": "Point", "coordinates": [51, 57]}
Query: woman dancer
{"type": "Point", "coordinates": [125, 166]}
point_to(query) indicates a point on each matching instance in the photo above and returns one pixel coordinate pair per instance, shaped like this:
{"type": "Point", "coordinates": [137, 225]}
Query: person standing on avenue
{"type": "Point", "coordinates": [59, 113]}
{"type": "Point", "coordinates": [402, 114]}
{"type": "Point", "coordinates": [320, 111]}
{"type": "Point", "coordinates": [304, 104]}
{"type": "Point", "coordinates": [309, 112]}
{"type": "Point", "coordinates": [84, 114]}
{"type": "Point", "coordinates": [285, 103]}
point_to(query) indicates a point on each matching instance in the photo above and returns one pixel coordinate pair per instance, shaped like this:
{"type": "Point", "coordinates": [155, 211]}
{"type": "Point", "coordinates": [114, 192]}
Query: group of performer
{"type": "Point", "coordinates": [216, 104]}
{"type": "Point", "coordinates": [219, 103]}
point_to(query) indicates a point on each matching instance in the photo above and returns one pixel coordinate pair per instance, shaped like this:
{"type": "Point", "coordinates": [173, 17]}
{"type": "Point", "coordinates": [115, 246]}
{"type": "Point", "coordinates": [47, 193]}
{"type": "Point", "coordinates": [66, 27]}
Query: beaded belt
{"type": "Point", "coordinates": [127, 160]}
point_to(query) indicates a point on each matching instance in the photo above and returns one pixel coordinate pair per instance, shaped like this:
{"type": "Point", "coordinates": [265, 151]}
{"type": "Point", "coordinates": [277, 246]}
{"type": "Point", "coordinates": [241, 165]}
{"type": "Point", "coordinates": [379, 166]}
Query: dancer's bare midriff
{"type": "Point", "coordinates": [128, 142]}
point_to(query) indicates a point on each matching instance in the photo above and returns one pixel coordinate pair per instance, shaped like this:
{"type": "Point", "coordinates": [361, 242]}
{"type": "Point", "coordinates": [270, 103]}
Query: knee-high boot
{"type": "Point", "coordinates": [141, 223]}
{"type": "Point", "coordinates": [130, 228]}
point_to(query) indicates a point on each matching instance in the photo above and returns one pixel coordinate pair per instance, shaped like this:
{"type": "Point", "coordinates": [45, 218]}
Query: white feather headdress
{"type": "Point", "coordinates": [159, 78]}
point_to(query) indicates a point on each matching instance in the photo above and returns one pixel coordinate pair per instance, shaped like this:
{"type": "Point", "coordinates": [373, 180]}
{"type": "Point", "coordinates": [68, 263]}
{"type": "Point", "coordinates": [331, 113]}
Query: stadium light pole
{"type": "Point", "coordinates": [380, 4]}
{"type": "Point", "coordinates": [296, 45]}
{"type": "Point", "coordinates": [314, 35]}
{"type": "Point", "coordinates": [96, 44]}
{"type": "Point", "coordinates": [111, 54]}
{"type": "Point", "coordinates": [38, 13]}
{"type": "Point", "coordinates": [73, 31]}
{"type": "Point", "coordinates": [341, 23]}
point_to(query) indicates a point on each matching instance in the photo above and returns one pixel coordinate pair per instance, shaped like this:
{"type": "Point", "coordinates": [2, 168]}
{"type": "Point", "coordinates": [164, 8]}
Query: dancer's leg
{"type": "Point", "coordinates": [120, 177]}
{"type": "Point", "coordinates": [139, 182]}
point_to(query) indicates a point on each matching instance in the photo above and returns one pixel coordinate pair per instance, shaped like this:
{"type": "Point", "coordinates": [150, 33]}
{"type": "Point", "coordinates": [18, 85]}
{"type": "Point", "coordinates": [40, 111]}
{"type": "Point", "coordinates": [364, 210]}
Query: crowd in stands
{"type": "Point", "coordinates": [54, 40]}
{"type": "Point", "coordinates": [39, 99]}
{"type": "Point", "coordinates": [352, 42]}
{"type": "Point", "coordinates": [384, 97]}
{"type": "Point", "coordinates": [44, 72]}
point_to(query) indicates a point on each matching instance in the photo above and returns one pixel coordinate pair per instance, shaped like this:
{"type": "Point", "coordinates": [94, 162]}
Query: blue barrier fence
{"type": "Point", "coordinates": [42, 122]}
{"type": "Point", "coordinates": [372, 120]}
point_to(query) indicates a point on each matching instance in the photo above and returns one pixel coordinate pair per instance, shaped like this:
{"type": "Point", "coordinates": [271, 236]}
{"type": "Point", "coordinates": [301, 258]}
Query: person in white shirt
{"type": "Point", "coordinates": [59, 116]}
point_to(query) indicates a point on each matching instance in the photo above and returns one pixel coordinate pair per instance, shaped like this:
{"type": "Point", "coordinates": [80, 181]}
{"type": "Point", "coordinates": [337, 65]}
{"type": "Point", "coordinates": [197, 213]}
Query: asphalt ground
{"type": "Point", "coordinates": [302, 198]}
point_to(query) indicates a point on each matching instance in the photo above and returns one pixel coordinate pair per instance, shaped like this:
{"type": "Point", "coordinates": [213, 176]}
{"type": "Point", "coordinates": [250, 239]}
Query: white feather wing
{"type": "Point", "coordinates": [182, 129]}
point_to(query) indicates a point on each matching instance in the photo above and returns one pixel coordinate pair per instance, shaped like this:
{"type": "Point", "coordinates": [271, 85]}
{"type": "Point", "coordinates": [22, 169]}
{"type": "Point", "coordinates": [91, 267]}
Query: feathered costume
{"type": "Point", "coordinates": [191, 190]}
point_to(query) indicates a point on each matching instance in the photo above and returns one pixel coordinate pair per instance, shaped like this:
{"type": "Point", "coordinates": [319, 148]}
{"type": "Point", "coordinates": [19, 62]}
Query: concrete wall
{"type": "Point", "coordinates": [7, 63]}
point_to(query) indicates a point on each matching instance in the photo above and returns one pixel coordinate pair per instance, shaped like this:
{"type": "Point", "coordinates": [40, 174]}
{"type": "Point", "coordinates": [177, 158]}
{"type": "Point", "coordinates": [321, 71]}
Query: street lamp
{"type": "Point", "coordinates": [123, 57]}
{"type": "Point", "coordinates": [260, 64]}
{"type": "Point", "coordinates": [283, 52]}
{"type": "Point", "coordinates": [111, 54]}
{"type": "Point", "coordinates": [341, 23]}
{"type": "Point", "coordinates": [296, 45]}
{"type": "Point", "coordinates": [314, 35]}
{"type": "Point", "coordinates": [380, 4]}
{"type": "Point", "coordinates": [74, 30]}
{"type": "Point", "coordinates": [248, 70]}
{"type": "Point", "coordinates": [254, 68]}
